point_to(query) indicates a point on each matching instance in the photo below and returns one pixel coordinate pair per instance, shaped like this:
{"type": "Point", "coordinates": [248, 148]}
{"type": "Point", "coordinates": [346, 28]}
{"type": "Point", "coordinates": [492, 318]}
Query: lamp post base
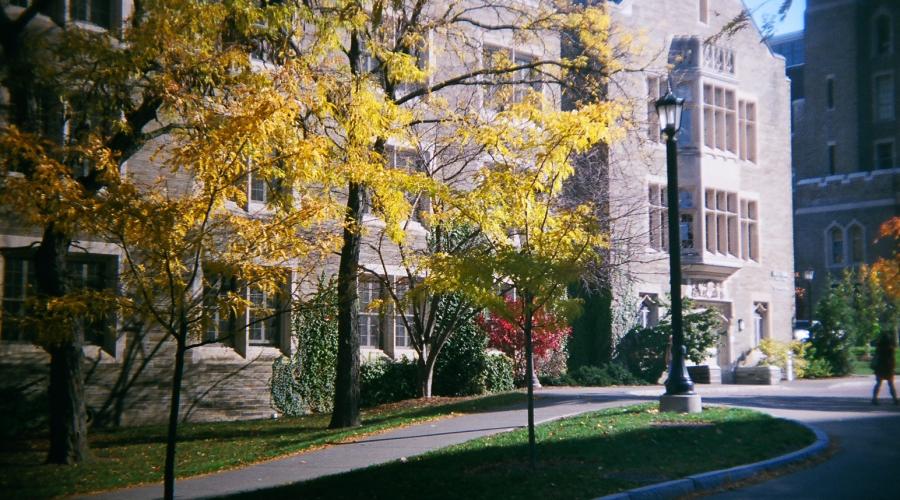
{"type": "Point", "coordinates": [680, 403]}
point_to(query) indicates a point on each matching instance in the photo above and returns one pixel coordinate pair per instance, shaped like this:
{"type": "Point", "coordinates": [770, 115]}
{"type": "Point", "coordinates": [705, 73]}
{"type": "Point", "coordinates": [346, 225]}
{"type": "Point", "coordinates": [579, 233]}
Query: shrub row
{"type": "Point", "coordinates": [598, 376]}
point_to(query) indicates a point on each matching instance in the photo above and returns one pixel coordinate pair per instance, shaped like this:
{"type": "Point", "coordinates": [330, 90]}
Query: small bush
{"type": "Point", "coordinates": [553, 363]}
{"type": "Point", "coordinates": [830, 348]}
{"type": "Point", "coordinates": [549, 333]}
{"type": "Point", "coordinates": [385, 381]}
{"type": "Point", "coordinates": [777, 355]}
{"type": "Point", "coordinates": [461, 367]}
{"type": "Point", "coordinates": [830, 340]}
{"type": "Point", "coordinates": [499, 373]}
{"type": "Point", "coordinates": [817, 368]}
{"type": "Point", "coordinates": [642, 351]}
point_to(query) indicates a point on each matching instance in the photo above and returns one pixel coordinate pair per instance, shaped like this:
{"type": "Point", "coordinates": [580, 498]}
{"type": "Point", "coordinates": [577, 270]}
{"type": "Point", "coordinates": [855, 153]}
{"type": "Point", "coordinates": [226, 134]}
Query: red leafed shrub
{"type": "Point", "coordinates": [548, 335]}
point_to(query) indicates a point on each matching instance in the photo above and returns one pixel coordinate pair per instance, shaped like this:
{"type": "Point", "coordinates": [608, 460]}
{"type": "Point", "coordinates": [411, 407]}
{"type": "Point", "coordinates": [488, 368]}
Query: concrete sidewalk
{"type": "Point", "coordinates": [377, 449]}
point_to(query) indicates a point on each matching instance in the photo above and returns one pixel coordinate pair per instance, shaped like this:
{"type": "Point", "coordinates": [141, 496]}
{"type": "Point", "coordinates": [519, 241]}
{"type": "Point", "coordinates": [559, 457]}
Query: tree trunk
{"type": "Point", "coordinates": [175, 406]}
{"type": "Point", "coordinates": [425, 374]}
{"type": "Point", "coordinates": [68, 415]}
{"type": "Point", "coordinates": [528, 313]}
{"type": "Point", "coordinates": [346, 384]}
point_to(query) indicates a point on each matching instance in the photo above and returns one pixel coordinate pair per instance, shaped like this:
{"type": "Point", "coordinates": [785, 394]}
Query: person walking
{"type": "Point", "coordinates": [884, 365]}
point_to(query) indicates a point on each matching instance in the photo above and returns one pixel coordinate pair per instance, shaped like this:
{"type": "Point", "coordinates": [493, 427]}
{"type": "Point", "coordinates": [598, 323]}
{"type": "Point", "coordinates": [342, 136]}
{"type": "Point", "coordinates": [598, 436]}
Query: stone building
{"type": "Point", "coordinates": [845, 136]}
{"type": "Point", "coordinates": [735, 199]}
{"type": "Point", "coordinates": [128, 376]}
{"type": "Point", "coordinates": [734, 176]}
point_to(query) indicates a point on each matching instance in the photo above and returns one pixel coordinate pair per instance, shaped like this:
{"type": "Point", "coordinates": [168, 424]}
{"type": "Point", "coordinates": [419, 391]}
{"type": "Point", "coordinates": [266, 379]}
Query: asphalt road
{"type": "Point", "coordinates": [865, 438]}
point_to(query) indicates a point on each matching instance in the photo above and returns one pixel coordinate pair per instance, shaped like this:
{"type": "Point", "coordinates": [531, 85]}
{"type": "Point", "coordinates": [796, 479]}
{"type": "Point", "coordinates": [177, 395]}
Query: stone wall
{"type": "Point", "coordinates": [218, 384]}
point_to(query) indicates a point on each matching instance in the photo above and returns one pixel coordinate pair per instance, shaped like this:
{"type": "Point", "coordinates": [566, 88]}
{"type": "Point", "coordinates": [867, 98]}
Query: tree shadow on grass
{"type": "Point", "coordinates": [312, 429]}
{"type": "Point", "coordinates": [593, 462]}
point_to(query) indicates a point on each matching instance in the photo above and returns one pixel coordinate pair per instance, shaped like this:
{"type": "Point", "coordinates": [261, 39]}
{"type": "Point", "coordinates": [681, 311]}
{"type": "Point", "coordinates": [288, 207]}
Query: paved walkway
{"type": "Point", "coordinates": [385, 447]}
{"type": "Point", "coordinates": [864, 465]}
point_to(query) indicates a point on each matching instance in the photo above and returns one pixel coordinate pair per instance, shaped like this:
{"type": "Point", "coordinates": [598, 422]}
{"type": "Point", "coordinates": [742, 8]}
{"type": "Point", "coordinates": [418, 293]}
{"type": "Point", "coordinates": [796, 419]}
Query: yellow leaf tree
{"type": "Point", "coordinates": [429, 93]}
{"type": "Point", "coordinates": [180, 80]}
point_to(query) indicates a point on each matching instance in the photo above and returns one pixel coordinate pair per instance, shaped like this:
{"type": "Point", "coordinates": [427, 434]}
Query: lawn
{"type": "Point", "coordinates": [580, 457]}
{"type": "Point", "coordinates": [135, 455]}
{"type": "Point", "coordinates": [861, 362]}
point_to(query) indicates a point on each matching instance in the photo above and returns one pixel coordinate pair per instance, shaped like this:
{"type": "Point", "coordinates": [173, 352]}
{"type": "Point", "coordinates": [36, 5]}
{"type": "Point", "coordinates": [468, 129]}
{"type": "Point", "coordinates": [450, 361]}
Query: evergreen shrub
{"type": "Point", "coordinates": [385, 381]}
{"type": "Point", "coordinates": [595, 376]}
{"type": "Point", "coordinates": [831, 339]}
{"type": "Point", "coordinates": [461, 368]}
{"type": "Point", "coordinates": [499, 373]}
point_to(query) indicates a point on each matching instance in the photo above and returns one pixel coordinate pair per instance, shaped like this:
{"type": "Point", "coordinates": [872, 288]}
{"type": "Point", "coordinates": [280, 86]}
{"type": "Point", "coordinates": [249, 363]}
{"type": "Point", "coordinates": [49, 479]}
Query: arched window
{"type": "Point", "coordinates": [836, 246]}
{"type": "Point", "coordinates": [882, 34]}
{"type": "Point", "coordinates": [648, 312]}
{"type": "Point", "coordinates": [857, 244]}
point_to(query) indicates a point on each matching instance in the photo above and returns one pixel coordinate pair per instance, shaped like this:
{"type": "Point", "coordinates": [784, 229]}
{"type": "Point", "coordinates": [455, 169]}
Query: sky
{"type": "Point", "coordinates": [762, 9]}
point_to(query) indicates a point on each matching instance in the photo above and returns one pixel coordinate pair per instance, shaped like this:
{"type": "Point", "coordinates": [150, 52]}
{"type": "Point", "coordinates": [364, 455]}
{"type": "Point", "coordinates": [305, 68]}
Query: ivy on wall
{"type": "Point", "coordinates": [304, 383]}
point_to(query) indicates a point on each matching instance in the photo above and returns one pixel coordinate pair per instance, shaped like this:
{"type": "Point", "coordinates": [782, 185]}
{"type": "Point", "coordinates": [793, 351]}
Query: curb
{"type": "Point", "coordinates": [711, 480]}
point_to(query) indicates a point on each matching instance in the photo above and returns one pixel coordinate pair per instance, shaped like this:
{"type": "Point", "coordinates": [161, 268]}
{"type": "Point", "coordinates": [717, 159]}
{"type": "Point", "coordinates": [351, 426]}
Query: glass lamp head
{"type": "Point", "coordinates": [669, 109]}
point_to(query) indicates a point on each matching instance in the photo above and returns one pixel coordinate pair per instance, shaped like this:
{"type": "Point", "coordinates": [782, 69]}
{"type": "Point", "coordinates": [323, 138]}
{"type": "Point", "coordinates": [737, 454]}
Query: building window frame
{"type": "Point", "coordinates": [878, 156]}
{"type": "Point", "coordinates": [400, 332]}
{"type": "Point", "coordinates": [882, 34]}
{"type": "Point", "coordinates": [657, 86]}
{"type": "Point", "coordinates": [747, 130]}
{"type": "Point", "coordinates": [410, 160]}
{"type": "Point", "coordinates": [519, 91]}
{"type": "Point", "coordinates": [721, 217]}
{"type": "Point", "coordinates": [261, 325]}
{"type": "Point", "coordinates": [883, 96]}
{"type": "Point", "coordinates": [749, 230]}
{"type": "Point", "coordinates": [264, 320]}
{"type": "Point", "coordinates": [370, 328]}
{"type": "Point", "coordinates": [687, 220]}
{"type": "Point", "coordinates": [99, 13]}
{"type": "Point", "coordinates": [95, 271]}
{"type": "Point", "coordinates": [657, 207]}
{"type": "Point", "coordinates": [835, 246]}
{"type": "Point", "coordinates": [831, 157]}
{"type": "Point", "coordinates": [720, 117]}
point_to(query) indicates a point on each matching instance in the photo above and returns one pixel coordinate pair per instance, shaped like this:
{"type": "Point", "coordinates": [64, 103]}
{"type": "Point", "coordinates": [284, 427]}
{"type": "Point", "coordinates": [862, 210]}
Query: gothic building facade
{"type": "Point", "coordinates": [845, 135]}
{"type": "Point", "coordinates": [734, 165]}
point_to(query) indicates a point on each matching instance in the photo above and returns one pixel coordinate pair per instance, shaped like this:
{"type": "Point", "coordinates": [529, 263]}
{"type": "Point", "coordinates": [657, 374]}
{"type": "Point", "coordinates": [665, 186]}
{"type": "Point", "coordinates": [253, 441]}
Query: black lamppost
{"type": "Point", "coordinates": [808, 275]}
{"type": "Point", "coordinates": [679, 394]}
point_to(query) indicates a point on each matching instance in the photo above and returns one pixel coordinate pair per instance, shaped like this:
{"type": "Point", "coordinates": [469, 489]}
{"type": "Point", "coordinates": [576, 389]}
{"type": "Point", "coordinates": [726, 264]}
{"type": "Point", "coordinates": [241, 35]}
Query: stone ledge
{"type": "Point", "coordinates": [705, 374]}
{"type": "Point", "coordinates": [757, 375]}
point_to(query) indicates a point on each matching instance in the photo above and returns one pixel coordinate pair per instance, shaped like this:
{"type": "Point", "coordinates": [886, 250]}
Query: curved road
{"type": "Point", "coordinates": [865, 438]}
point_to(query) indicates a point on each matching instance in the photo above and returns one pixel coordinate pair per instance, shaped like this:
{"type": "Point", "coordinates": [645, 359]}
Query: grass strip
{"type": "Point", "coordinates": [135, 455]}
{"type": "Point", "coordinates": [580, 457]}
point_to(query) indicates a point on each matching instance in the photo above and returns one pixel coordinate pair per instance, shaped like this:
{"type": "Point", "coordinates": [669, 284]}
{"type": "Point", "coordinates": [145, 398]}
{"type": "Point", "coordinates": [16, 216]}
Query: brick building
{"type": "Point", "coordinates": [845, 136]}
